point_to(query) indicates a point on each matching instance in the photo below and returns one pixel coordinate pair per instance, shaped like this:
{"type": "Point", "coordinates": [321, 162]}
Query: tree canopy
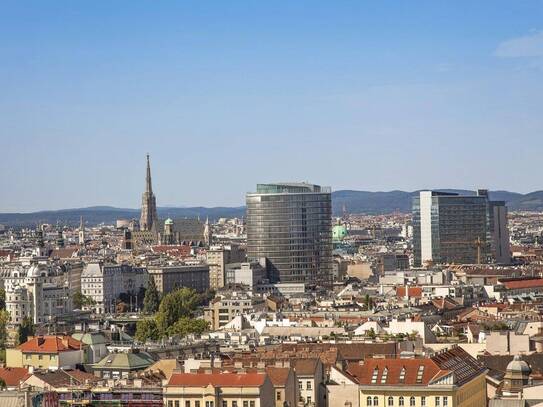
{"type": "Point", "coordinates": [151, 301]}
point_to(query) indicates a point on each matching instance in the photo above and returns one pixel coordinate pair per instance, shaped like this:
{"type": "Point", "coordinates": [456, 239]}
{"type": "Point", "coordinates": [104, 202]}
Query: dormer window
{"type": "Point", "coordinates": [384, 376]}
{"type": "Point", "coordinates": [374, 376]}
{"type": "Point", "coordinates": [402, 375]}
{"type": "Point", "coordinates": [419, 374]}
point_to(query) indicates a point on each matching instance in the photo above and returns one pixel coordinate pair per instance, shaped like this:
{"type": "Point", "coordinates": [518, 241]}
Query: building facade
{"type": "Point", "coordinates": [451, 228]}
{"type": "Point", "coordinates": [217, 259]}
{"type": "Point", "coordinates": [291, 226]}
{"type": "Point", "coordinates": [170, 278]}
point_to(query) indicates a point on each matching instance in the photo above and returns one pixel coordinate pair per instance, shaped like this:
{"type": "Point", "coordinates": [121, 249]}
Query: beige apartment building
{"type": "Point", "coordinates": [219, 390]}
{"type": "Point", "coordinates": [217, 259]}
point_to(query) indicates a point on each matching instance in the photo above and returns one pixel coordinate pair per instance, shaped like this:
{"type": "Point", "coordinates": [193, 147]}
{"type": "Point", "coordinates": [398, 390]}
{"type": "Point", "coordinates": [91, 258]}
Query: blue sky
{"type": "Point", "coordinates": [364, 95]}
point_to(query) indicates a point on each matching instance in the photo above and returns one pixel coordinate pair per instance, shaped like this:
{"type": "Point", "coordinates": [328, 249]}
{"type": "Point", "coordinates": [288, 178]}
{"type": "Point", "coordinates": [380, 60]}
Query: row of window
{"type": "Point", "coordinates": [307, 385]}
{"type": "Point", "coordinates": [234, 403]}
{"type": "Point", "coordinates": [374, 401]}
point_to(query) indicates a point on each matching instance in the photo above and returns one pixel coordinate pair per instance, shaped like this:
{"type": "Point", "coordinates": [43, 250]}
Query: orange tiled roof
{"type": "Point", "coordinates": [526, 283]}
{"type": "Point", "coordinates": [217, 379]}
{"type": "Point", "coordinates": [12, 376]}
{"type": "Point", "coordinates": [50, 344]}
{"type": "Point", "coordinates": [414, 292]}
{"type": "Point", "coordinates": [364, 373]}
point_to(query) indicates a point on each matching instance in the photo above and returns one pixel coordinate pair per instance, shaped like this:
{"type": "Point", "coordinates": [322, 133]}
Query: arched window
{"type": "Point", "coordinates": [412, 401]}
{"type": "Point", "coordinates": [368, 401]}
{"type": "Point", "coordinates": [375, 401]}
{"type": "Point", "coordinates": [400, 401]}
{"type": "Point", "coordinates": [390, 401]}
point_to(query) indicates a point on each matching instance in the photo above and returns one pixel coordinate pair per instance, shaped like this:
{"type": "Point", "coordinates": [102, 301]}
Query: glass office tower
{"type": "Point", "coordinates": [450, 228]}
{"type": "Point", "coordinates": [291, 225]}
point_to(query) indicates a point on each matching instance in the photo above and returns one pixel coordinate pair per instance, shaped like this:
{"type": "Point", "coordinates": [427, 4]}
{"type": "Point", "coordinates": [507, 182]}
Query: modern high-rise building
{"type": "Point", "coordinates": [291, 225]}
{"type": "Point", "coordinates": [451, 228]}
{"type": "Point", "coordinates": [149, 218]}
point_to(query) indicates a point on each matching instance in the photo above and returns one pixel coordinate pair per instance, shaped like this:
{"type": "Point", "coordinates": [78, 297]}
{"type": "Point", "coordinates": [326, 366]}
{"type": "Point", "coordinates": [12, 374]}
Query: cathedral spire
{"type": "Point", "coordinates": [148, 184]}
{"type": "Point", "coordinates": [149, 218]}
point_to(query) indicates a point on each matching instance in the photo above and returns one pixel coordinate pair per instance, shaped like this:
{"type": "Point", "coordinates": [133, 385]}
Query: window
{"type": "Point", "coordinates": [245, 403]}
{"type": "Point", "coordinates": [419, 374]}
{"type": "Point", "coordinates": [412, 401]}
{"type": "Point", "coordinates": [170, 403]}
{"type": "Point", "coordinates": [176, 403]}
{"type": "Point", "coordinates": [400, 401]}
{"type": "Point", "coordinates": [374, 375]}
{"type": "Point", "coordinates": [197, 403]}
{"type": "Point", "coordinates": [384, 376]}
{"type": "Point", "coordinates": [300, 385]}
{"type": "Point", "coordinates": [224, 403]}
{"type": "Point", "coordinates": [390, 401]}
{"type": "Point", "coordinates": [369, 401]}
{"type": "Point", "coordinates": [438, 401]}
{"type": "Point", "coordinates": [40, 357]}
{"type": "Point", "coordinates": [209, 404]}
{"type": "Point", "coordinates": [308, 399]}
{"type": "Point", "coordinates": [278, 396]}
{"type": "Point", "coordinates": [234, 403]}
{"type": "Point", "coordinates": [251, 403]}
{"type": "Point", "coordinates": [375, 401]}
{"type": "Point", "coordinates": [445, 401]}
{"type": "Point", "coordinates": [187, 403]}
{"type": "Point", "coordinates": [402, 375]}
{"type": "Point", "coordinates": [308, 385]}
{"type": "Point", "coordinates": [423, 401]}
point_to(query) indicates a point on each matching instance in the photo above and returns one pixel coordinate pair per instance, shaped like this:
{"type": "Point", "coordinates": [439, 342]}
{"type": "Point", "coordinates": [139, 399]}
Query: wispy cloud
{"type": "Point", "coordinates": [526, 46]}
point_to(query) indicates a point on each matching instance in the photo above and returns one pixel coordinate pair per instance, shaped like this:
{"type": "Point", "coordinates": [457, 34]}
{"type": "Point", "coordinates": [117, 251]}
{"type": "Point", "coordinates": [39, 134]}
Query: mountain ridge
{"type": "Point", "coordinates": [368, 202]}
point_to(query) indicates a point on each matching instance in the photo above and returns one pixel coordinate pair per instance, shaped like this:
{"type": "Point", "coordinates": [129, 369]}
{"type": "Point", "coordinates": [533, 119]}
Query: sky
{"type": "Point", "coordinates": [364, 95]}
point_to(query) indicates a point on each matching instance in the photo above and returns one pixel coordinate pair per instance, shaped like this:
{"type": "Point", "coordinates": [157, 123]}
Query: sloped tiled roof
{"type": "Point", "coordinates": [217, 379]}
{"type": "Point", "coordinates": [12, 376]}
{"type": "Point", "coordinates": [278, 375]}
{"type": "Point", "coordinates": [50, 344]}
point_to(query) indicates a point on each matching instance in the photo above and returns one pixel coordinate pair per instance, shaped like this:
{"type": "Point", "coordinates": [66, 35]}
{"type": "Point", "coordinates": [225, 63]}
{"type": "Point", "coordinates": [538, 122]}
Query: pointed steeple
{"type": "Point", "coordinates": [149, 218]}
{"type": "Point", "coordinates": [148, 183]}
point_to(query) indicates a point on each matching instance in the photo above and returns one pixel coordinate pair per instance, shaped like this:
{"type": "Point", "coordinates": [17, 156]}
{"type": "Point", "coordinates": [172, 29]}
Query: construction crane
{"type": "Point", "coordinates": [477, 243]}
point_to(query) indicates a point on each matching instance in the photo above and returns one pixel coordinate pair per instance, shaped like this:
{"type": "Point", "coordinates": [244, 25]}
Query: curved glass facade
{"type": "Point", "coordinates": [293, 230]}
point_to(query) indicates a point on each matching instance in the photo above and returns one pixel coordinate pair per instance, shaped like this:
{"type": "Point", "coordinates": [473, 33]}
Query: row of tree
{"type": "Point", "coordinates": [171, 315]}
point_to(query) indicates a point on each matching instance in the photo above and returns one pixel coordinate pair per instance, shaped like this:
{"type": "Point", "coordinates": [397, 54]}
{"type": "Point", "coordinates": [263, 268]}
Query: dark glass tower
{"type": "Point", "coordinates": [291, 225]}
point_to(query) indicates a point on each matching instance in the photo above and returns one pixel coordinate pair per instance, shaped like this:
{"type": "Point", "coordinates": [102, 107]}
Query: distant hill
{"type": "Point", "coordinates": [354, 201]}
{"type": "Point", "coordinates": [400, 201]}
{"type": "Point", "coordinates": [106, 214]}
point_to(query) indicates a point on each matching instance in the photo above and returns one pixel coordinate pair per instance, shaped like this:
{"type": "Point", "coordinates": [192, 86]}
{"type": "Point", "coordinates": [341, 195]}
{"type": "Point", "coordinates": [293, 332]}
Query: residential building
{"type": "Point", "coordinates": [217, 259]}
{"type": "Point", "coordinates": [285, 386]}
{"type": "Point", "coordinates": [50, 352]}
{"type": "Point", "coordinates": [119, 365]}
{"type": "Point", "coordinates": [226, 306]}
{"type": "Point", "coordinates": [250, 273]}
{"type": "Point", "coordinates": [451, 378]}
{"type": "Point", "coordinates": [169, 278]}
{"type": "Point", "coordinates": [105, 282]}
{"type": "Point", "coordinates": [219, 390]}
{"type": "Point", "coordinates": [290, 224]}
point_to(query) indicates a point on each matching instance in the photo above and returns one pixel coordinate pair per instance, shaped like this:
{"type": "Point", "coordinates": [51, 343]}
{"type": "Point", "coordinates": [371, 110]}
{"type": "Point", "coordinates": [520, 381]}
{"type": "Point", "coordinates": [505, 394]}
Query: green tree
{"type": "Point", "coordinates": [79, 300]}
{"type": "Point", "coordinates": [4, 320]}
{"type": "Point", "coordinates": [186, 326]}
{"type": "Point", "coordinates": [2, 299]}
{"type": "Point", "coordinates": [25, 330]}
{"type": "Point", "coordinates": [147, 329]}
{"type": "Point", "coordinates": [371, 334]}
{"type": "Point", "coordinates": [368, 302]}
{"type": "Point", "coordinates": [176, 305]}
{"type": "Point", "coordinates": [151, 301]}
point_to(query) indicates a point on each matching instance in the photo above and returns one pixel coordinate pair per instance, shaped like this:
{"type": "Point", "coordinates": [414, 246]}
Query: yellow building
{"type": "Point", "coordinates": [219, 390]}
{"type": "Point", "coordinates": [49, 352]}
{"type": "Point", "coordinates": [449, 379]}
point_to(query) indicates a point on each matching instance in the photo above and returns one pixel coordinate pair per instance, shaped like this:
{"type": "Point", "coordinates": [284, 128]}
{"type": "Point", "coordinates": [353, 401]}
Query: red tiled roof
{"type": "Point", "coordinates": [217, 379]}
{"type": "Point", "coordinates": [278, 375]}
{"type": "Point", "coordinates": [12, 376]}
{"type": "Point", "coordinates": [415, 292]}
{"type": "Point", "coordinates": [364, 373]}
{"type": "Point", "coordinates": [50, 344]}
{"type": "Point", "coordinates": [519, 284]}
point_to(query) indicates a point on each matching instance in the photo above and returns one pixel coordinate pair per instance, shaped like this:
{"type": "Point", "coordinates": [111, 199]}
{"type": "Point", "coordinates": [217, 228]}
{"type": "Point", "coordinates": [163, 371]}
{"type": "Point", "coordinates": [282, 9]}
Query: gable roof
{"type": "Point", "coordinates": [12, 376]}
{"type": "Point", "coordinates": [50, 344]}
{"type": "Point", "coordinates": [217, 379]}
{"type": "Point", "coordinates": [278, 375]}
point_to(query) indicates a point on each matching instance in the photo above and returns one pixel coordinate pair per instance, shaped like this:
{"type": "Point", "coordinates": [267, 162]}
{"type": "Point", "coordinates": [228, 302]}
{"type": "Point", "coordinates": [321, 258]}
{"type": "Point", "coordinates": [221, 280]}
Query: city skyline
{"type": "Point", "coordinates": [356, 95]}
